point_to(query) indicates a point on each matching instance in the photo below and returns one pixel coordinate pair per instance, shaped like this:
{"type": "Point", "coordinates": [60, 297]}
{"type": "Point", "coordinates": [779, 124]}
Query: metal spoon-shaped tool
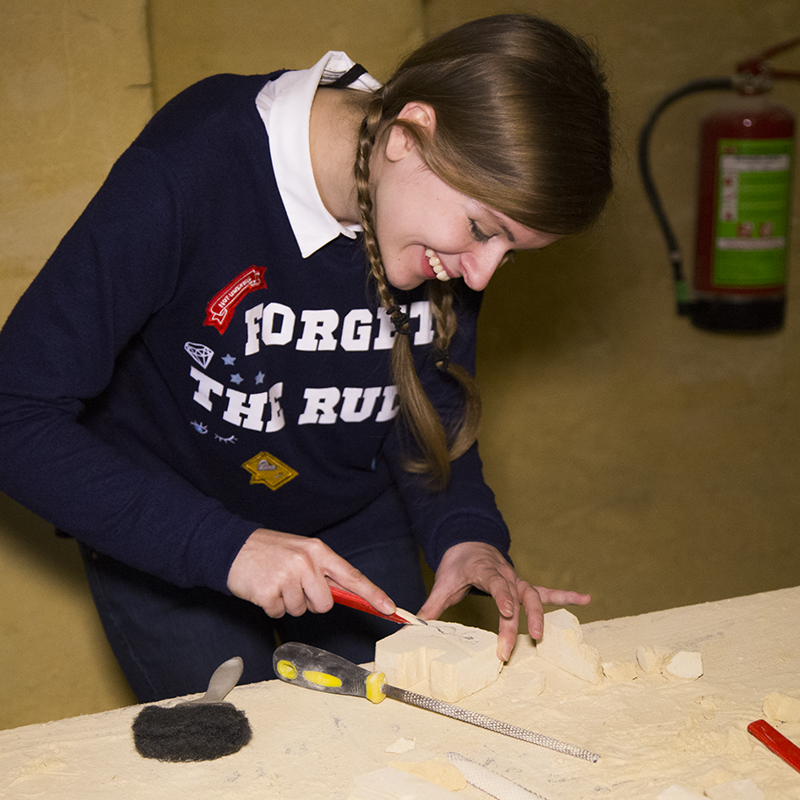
{"type": "Point", "coordinates": [195, 730]}
{"type": "Point", "coordinates": [225, 677]}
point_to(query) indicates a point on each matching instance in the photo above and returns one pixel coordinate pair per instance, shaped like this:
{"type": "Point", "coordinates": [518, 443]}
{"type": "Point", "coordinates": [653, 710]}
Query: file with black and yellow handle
{"type": "Point", "coordinates": [312, 668]}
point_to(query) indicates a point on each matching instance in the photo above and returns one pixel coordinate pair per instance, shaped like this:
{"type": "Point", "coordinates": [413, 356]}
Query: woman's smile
{"type": "Point", "coordinates": [439, 270]}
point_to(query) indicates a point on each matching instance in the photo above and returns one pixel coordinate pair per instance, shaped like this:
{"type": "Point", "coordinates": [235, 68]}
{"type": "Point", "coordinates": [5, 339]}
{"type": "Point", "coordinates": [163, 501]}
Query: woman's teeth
{"type": "Point", "coordinates": [436, 265]}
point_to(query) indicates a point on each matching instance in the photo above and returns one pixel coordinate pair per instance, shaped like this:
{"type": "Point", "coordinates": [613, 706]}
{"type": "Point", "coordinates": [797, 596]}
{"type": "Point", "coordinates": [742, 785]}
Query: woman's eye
{"type": "Point", "coordinates": [509, 256]}
{"type": "Point", "coordinates": [477, 234]}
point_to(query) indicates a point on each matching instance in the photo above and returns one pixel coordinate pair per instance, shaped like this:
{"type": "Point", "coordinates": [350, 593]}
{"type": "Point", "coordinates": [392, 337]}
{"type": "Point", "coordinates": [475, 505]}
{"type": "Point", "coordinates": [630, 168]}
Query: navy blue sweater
{"type": "Point", "coordinates": [177, 375]}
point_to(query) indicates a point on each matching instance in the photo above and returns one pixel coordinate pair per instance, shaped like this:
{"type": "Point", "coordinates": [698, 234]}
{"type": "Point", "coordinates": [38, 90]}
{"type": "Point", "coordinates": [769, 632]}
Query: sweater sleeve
{"type": "Point", "coordinates": [466, 510]}
{"type": "Point", "coordinates": [114, 269]}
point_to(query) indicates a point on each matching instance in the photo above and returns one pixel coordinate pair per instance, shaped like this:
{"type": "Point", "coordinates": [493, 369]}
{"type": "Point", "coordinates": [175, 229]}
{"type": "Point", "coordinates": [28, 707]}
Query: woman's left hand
{"type": "Point", "coordinates": [480, 565]}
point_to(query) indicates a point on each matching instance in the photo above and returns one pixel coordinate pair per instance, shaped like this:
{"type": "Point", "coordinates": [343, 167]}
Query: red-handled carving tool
{"type": "Point", "coordinates": [776, 742]}
{"type": "Point", "coordinates": [346, 598]}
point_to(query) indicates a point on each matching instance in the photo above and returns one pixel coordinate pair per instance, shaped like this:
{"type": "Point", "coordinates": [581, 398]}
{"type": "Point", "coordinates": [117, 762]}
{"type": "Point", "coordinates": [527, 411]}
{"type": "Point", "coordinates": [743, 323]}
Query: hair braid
{"type": "Point", "coordinates": [522, 125]}
{"type": "Point", "coordinates": [466, 432]}
{"type": "Point", "coordinates": [416, 410]}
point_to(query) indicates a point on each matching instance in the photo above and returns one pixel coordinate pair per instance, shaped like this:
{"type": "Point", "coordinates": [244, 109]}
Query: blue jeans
{"type": "Point", "coordinates": [169, 640]}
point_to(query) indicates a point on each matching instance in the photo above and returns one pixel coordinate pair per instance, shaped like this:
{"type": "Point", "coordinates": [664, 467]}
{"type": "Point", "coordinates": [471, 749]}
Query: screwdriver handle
{"type": "Point", "coordinates": [313, 668]}
{"type": "Point", "coordinates": [322, 671]}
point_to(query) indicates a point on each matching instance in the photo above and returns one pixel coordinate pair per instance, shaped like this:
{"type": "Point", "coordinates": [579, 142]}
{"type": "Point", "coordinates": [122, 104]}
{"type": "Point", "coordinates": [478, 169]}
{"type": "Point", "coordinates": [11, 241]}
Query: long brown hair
{"type": "Point", "coordinates": [521, 125]}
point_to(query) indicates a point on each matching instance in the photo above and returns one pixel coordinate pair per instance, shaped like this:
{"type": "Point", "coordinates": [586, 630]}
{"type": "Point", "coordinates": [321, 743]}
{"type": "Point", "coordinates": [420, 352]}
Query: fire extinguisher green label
{"type": "Point", "coordinates": [752, 220]}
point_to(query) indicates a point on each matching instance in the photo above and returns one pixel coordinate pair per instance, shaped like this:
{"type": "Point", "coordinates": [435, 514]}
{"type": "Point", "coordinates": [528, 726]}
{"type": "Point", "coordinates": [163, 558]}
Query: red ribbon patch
{"type": "Point", "coordinates": [219, 312]}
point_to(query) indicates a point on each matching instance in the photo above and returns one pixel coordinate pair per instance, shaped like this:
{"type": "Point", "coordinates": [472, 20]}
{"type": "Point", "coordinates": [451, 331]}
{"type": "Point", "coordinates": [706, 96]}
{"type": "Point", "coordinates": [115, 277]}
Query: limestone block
{"type": "Point", "coordinates": [524, 649]}
{"type": "Point", "coordinates": [436, 770]}
{"type": "Point", "coordinates": [620, 671]}
{"type": "Point", "coordinates": [402, 745]}
{"type": "Point", "coordinates": [782, 707]}
{"type": "Point", "coordinates": [651, 660]}
{"type": "Point", "coordinates": [456, 660]}
{"type": "Point", "coordinates": [736, 790]}
{"type": "Point", "coordinates": [684, 666]}
{"type": "Point", "coordinates": [562, 644]}
{"type": "Point", "coordinates": [394, 784]}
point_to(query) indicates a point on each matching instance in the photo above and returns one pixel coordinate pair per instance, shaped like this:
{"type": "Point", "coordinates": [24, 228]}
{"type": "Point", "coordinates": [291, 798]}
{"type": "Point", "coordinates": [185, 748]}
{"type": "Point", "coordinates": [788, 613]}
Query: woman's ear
{"type": "Point", "coordinates": [400, 143]}
{"type": "Point", "coordinates": [420, 113]}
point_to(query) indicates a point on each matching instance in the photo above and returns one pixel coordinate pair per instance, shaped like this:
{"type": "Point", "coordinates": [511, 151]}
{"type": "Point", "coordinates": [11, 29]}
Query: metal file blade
{"type": "Point", "coordinates": [322, 671]}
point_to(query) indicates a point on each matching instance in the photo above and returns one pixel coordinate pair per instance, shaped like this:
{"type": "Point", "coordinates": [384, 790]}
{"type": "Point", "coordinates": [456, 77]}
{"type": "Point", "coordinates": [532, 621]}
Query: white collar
{"type": "Point", "coordinates": [285, 108]}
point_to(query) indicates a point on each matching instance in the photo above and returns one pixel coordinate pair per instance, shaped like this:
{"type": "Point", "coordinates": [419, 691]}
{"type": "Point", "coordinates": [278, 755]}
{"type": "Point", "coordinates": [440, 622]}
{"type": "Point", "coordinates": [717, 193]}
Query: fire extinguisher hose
{"type": "Point", "coordinates": [682, 294]}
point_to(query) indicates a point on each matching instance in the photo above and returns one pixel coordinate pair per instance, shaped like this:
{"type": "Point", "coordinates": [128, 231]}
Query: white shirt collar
{"type": "Point", "coordinates": [285, 108]}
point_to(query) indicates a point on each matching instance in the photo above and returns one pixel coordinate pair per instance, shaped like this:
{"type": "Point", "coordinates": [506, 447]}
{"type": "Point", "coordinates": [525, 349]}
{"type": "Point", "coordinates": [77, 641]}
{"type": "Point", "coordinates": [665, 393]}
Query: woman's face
{"type": "Point", "coordinates": [427, 230]}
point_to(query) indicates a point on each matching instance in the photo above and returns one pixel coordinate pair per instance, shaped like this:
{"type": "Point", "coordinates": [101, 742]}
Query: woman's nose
{"type": "Point", "coordinates": [478, 268]}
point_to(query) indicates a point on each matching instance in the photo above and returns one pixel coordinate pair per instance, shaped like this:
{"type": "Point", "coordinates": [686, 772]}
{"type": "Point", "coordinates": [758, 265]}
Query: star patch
{"type": "Point", "coordinates": [272, 472]}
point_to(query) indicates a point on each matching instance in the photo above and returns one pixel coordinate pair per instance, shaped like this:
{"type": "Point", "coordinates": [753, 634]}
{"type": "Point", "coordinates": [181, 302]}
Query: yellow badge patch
{"type": "Point", "coordinates": [272, 472]}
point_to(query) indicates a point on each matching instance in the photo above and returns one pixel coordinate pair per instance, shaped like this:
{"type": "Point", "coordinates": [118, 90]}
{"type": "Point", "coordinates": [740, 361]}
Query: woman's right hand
{"type": "Point", "coordinates": [288, 574]}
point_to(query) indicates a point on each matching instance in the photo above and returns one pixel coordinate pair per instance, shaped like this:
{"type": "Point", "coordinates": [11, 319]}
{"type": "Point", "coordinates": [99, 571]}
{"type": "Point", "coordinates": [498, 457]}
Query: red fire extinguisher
{"type": "Point", "coordinates": [744, 195]}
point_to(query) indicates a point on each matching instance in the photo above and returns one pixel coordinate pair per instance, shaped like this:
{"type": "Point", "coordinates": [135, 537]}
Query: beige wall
{"type": "Point", "coordinates": [193, 39]}
{"type": "Point", "coordinates": [74, 90]}
{"type": "Point", "coordinates": [635, 457]}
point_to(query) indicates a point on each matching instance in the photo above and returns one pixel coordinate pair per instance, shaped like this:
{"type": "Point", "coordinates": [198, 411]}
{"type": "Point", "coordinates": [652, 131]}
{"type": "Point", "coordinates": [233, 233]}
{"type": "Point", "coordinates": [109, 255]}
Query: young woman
{"type": "Point", "coordinates": [231, 409]}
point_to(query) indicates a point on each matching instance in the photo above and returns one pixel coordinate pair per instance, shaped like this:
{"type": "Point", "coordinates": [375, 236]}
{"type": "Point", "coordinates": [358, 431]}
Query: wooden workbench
{"type": "Point", "coordinates": [651, 732]}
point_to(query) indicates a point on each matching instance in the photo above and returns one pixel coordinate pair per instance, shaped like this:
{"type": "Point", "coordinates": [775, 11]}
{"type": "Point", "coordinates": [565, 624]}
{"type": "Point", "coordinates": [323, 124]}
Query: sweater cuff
{"type": "Point", "coordinates": [216, 544]}
{"type": "Point", "coordinates": [461, 527]}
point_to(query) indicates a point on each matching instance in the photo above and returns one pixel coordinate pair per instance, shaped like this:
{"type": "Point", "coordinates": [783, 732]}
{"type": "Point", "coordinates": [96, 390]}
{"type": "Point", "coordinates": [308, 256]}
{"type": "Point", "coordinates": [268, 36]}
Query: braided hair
{"type": "Point", "coordinates": [523, 126]}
